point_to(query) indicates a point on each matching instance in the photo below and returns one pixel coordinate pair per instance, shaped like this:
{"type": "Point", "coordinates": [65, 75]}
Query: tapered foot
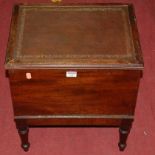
{"type": "Point", "coordinates": [25, 147]}
{"type": "Point", "coordinates": [121, 146]}
{"type": "Point", "coordinates": [23, 132]}
{"type": "Point", "coordinates": [123, 133]}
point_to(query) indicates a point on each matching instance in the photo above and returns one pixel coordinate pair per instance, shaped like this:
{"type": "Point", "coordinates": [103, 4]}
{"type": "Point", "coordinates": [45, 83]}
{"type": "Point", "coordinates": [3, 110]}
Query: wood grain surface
{"type": "Point", "coordinates": [50, 92]}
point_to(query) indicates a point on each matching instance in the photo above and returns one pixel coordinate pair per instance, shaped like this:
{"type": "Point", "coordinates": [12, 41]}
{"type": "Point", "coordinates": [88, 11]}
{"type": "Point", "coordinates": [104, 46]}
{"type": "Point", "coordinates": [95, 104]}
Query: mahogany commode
{"type": "Point", "coordinates": [74, 65]}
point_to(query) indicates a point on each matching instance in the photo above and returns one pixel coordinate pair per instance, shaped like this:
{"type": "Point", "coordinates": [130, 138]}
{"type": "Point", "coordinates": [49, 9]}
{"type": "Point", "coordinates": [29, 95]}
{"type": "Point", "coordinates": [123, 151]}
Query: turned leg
{"type": "Point", "coordinates": [23, 130]}
{"type": "Point", "coordinates": [124, 131]}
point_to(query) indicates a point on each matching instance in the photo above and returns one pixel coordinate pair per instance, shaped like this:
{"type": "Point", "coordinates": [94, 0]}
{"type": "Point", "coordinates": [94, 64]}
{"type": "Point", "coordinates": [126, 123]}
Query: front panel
{"type": "Point", "coordinates": [74, 92]}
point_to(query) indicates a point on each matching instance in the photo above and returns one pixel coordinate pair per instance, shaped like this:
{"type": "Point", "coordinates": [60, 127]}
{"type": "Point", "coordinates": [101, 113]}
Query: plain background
{"type": "Point", "coordinates": [85, 141]}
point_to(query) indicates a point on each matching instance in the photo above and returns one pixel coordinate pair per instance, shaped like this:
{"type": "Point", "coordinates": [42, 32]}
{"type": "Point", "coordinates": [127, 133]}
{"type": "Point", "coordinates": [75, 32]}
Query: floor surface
{"type": "Point", "coordinates": [85, 141]}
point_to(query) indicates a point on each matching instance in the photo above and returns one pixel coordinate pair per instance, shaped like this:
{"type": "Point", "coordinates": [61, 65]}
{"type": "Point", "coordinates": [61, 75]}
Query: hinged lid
{"type": "Point", "coordinates": [86, 36]}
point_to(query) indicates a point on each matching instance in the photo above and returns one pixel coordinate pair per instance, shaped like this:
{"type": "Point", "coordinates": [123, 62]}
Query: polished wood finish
{"type": "Point", "coordinates": [85, 122]}
{"type": "Point", "coordinates": [91, 88]}
{"type": "Point", "coordinates": [99, 43]}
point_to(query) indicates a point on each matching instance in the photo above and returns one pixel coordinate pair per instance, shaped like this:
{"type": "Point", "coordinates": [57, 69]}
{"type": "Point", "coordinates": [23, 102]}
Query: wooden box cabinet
{"type": "Point", "coordinates": [74, 65]}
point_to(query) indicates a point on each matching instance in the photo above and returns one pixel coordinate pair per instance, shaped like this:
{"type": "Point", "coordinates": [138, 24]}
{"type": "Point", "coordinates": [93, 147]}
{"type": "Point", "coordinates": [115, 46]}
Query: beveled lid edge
{"type": "Point", "coordinates": [49, 66]}
{"type": "Point", "coordinates": [136, 36]}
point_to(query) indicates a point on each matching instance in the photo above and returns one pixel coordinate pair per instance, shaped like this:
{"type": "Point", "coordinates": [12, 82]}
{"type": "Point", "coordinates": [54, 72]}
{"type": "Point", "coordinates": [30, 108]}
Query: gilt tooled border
{"type": "Point", "coordinates": [21, 24]}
